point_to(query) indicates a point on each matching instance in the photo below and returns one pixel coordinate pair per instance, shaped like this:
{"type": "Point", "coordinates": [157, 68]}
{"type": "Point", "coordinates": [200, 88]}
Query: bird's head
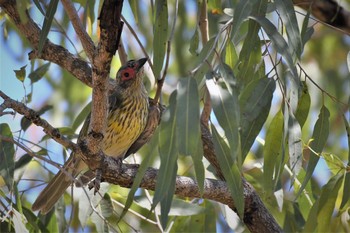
{"type": "Point", "coordinates": [131, 73]}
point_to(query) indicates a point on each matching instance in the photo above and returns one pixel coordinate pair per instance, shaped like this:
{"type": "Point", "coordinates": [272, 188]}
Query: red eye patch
{"type": "Point", "coordinates": [127, 74]}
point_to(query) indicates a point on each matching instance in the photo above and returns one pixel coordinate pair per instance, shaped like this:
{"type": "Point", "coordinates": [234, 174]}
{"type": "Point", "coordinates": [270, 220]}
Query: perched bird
{"type": "Point", "coordinates": [127, 118]}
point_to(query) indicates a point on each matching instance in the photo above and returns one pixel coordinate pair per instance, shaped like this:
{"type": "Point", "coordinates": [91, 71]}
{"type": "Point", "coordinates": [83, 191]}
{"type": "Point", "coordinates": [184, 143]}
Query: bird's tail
{"type": "Point", "coordinates": [57, 186]}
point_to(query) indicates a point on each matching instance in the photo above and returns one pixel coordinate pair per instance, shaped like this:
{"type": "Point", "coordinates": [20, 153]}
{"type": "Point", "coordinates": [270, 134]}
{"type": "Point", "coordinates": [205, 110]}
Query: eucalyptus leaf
{"type": "Point", "coordinates": [319, 136]}
{"type": "Point", "coordinates": [168, 151]}
{"type": "Point", "coordinates": [160, 35]}
{"type": "Point", "coordinates": [7, 153]}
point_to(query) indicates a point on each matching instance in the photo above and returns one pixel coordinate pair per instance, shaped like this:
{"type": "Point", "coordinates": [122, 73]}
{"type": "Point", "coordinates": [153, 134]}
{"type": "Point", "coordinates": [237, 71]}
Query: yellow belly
{"type": "Point", "coordinates": [123, 128]}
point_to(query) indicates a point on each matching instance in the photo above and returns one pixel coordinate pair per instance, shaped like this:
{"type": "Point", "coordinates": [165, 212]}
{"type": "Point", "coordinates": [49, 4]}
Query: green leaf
{"type": "Point", "coordinates": [168, 150]}
{"type": "Point", "coordinates": [303, 105]}
{"type": "Point", "coordinates": [278, 41]}
{"type": "Point", "coordinates": [50, 13]}
{"type": "Point", "coordinates": [295, 146]}
{"type": "Point", "coordinates": [25, 123]}
{"type": "Point", "coordinates": [187, 116]}
{"type": "Point", "coordinates": [194, 43]}
{"type": "Point", "coordinates": [39, 72]}
{"type": "Point", "coordinates": [21, 73]}
{"type": "Point", "coordinates": [179, 207]}
{"type": "Point", "coordinates": [306, 32]}
{"type": "Point", "coordinates": [81, 117]}
{"type": "Point", "coordinates": [272, 152]}
{"type": "Point", "coordinates": [327, 201]}
{"type": "Point", "coordinates": [7, 153]}
{"type": "Point", "coordinates": [204, 54]}
{"type": "Point", "coordinates": [346, 191]}
{"type": "Point", "coordinates": [348, 60]}
{"type": "Point", "coordinates": [188, 124]}
{"type": "Point", "coordinates": [319, 136]}
{"type": "Point", "coordinates": [23, 161]}
{"type": "Point", "coordinates": [160, 36]}
{"type": "Point", "coordinates": [287, 13]}
{"type": "Point", "coordinates": [149, 152]}
{"type": "Point", "coordinates": [255, 103]}
{"type": "Point", "coordinates": [133, 5]}
{"type": "Point", "coordinates": [231, 57]}
{"type": "Point", "coordinates": [230, 170]}
{"type": "Point", "coordinates": [226, 109]}
{"type": "Point", "coordinates": [201, 222]}
{"type": "Point", "coordinates": [241, 13]}
{"type": "Point", "coordinates": [22, 10]}
{"type": "Point", "coordinates": [106, 206]}
{"type": "Point", "coordinates": [250, 56]}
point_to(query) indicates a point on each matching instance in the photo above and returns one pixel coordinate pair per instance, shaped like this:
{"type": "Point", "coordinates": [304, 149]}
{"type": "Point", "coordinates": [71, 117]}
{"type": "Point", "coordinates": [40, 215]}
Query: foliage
{"type": "Point", "coordinates": [280, 100]}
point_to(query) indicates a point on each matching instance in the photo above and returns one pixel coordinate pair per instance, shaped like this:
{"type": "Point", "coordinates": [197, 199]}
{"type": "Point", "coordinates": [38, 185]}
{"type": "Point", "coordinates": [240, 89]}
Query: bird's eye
{"type": "Point", "coordinates": [126, 74]}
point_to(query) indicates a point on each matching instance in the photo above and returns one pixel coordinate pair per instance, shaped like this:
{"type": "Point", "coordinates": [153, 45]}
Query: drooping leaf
{"type": "Point", "coordinates": [348, 60]}
{"type": "Point", "coordinates": [37, 74]}
{"type": "Point", "coordinates": [295, 145]}
{"type": "Point", "coordinates": [133, 5]}
{"type": "Point", "coordinates": [346, 191]}
{"type": "Point", "coordinates": [226, 109]}
{"type": "Point", "coordinates": [81, 116]}
{"type": "Point", "coordinates": [25, 123]}
{"type": "Point", "coordinates": [306, 31]}
{"type": "Point", "coordinates": [255, 103]}
{"type": "Point", "coordinates": [149, 152]}
{"type": "Point", "coordinates": [241, 13]}
{"type": "Point", "coordinates": [201, 222]}
{"type": "Point", "coordinates": [204, 54]}
{"type": "Point", "coordinates": [278, 41]}
{"type": "Point", "coordinates": [272, 151]}
{"type": "Point", "coordinates": [327, 201]}
{"type": "Point", "coordinates": [7, 153]}
{"type": "Point", "coordinates": [187, 116]}
{"type": "Point", "coordinates": [335, 164]}
{"type": "Point", "coordinates": [21, 73]}
{"type": "Point", "coordinates": [194, 43]}
{"type": "Point", "coordinates": [230, 170]}
{"type": "Point", "coordinates": [160, 35]}
{"type": "Point", "coordinates": [179, 207]}
{"type": "Point", "coordinates": [168, 151]}
{"type": "Point", "coordinates": [231, 57]}
{"type": "Point", "coordinates": [287, 13]}
{"type": "Point", "coordinates": [303, 105]}
{"type": "Point", "coordinates": [89, 199]}
{"type": "Point", "coordinates": [22, 161]}
{"type": "Point", "coordinates": [50, 13]}
{"type": "Point", "coordinates": [319, 136]}
{"type": "Point", "coordinates": [188, 124]}
{"type": "Point", "coordinates": [250, 55]}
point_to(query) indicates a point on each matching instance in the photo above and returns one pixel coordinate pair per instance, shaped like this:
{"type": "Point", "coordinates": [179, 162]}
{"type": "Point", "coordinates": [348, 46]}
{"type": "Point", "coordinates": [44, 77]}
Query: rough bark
{"type": "Point", "coordinates": [327, 11]}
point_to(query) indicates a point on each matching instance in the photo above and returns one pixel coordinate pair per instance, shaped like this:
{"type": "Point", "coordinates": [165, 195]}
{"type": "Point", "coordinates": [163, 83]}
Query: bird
{"type": "Point", "coordinates": [126, 119]}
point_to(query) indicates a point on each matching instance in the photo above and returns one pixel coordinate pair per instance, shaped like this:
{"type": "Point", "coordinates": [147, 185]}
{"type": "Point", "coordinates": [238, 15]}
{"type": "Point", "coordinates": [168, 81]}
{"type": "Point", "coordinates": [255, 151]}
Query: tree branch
{"type": "Point", "coordinates": [85, 39]}
{"type": "Point", "coordinates": [34, 117]}
{"type": "Point", "coordinates": [110, 32]}
{"type": "Point", "coordinates": [327, 11]}
{"type": "Point", "coordinates": [51, 52]}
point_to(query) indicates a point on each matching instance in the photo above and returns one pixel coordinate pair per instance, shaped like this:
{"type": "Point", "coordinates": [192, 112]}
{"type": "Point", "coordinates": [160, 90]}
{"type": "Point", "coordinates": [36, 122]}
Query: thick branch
{"type": "Point", "coordinates": [110, 28]}
{"type": "Point", "coordinates": [85, 39]}
{"type": "Point", "coordinates": [327, 11]}
{"type": "Point", "coordinates": [51, 52]}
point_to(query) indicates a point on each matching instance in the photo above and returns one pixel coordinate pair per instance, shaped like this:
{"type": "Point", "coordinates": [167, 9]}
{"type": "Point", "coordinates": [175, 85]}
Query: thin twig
{"type": "Point", "coordinates": [138, 42]}
{"type": "Point", "coordinates": [321, 89]}
{"type": "Point", "coordinates": [85, 39]}
{"type": "Point", "coordinates": [34, 117]}
{"type": "Point", "coordinates": [203, 27]}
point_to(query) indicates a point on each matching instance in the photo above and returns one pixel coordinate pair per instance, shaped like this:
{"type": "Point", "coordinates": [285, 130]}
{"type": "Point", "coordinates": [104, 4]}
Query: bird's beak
{"type": "Point", "coordinates": [140, 63]}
